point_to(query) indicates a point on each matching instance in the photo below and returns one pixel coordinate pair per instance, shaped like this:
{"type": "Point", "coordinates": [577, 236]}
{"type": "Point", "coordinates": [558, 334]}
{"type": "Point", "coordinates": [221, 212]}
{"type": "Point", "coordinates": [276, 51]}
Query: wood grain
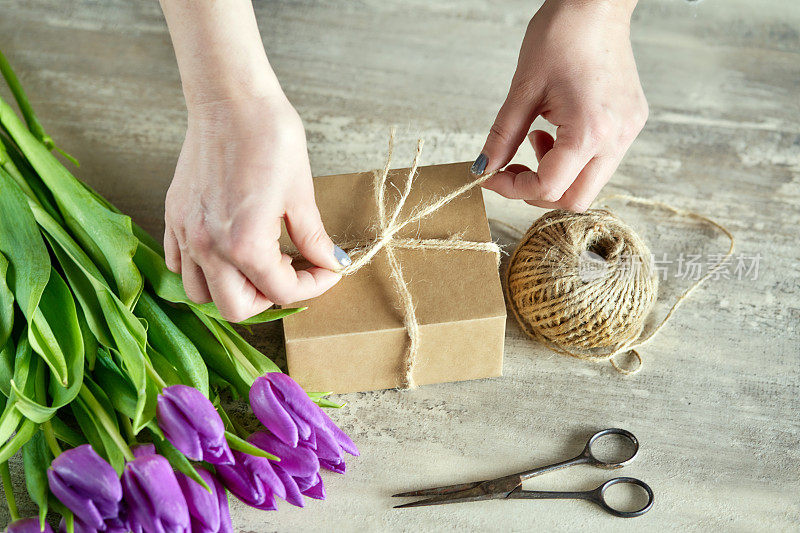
{"type": "Point", "coordinates": [716, 407]}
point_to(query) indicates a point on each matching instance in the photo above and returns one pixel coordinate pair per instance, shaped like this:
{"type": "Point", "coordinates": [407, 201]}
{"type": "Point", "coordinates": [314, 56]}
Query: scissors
{"type": "Point", "coordinates": [510, 487]}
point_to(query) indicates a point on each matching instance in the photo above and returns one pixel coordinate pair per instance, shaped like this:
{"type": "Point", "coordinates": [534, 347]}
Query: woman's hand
{"type": "Point", "coordinates": [242, 170]}
{"type": "Point", "coordinates": [576, 69]}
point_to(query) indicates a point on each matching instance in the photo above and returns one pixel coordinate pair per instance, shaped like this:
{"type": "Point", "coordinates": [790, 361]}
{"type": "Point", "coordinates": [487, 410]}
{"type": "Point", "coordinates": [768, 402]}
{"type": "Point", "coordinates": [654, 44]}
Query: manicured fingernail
{"type": "Point", "coordinates": [341, 256]}
{"type": "Point", "coordinates": [479, 165]}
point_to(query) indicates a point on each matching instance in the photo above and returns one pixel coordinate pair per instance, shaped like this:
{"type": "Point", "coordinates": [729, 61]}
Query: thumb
{"type": "Point", "coordinates": [304, 225]}
{"type": "Point", "coordinates": [507, 133]}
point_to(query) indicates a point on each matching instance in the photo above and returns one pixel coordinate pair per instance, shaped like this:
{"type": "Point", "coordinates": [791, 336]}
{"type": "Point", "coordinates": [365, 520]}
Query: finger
{"type": "Point", "coordinates": [304, 225]}
{"type": "Point", "coordinates": [508, 131]}
{"type": "Point", "coordinates": [235, 297]}
{"type": "Point", "coordinates": [172, 252]}
{"type": "Point", "coordinates": [542, 143]}
{"type": "Point", "coordinates": [558, 168]}
{"type": "Point", "coordinates": [589, 183]}
{"type": "Point", "coordinates": [194, 282]}
{"type": "Point", "coordinates": [282, 284]}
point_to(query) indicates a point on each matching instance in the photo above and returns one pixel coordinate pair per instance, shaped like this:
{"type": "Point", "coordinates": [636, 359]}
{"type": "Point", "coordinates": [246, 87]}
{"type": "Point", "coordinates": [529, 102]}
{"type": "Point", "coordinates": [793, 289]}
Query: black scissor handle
{"type": "Point", "coordinates": [599, 496]}
{"type": "Point", "coordinates": [593, 459]}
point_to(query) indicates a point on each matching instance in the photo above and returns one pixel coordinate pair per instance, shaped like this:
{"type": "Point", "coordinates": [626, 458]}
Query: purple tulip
{"type": "Point", "coordinates": [28, 525]}
{"type": "Point", "coordinates": [298, 468]}
{"type": "Point", "coordinates": [153, 497]}
{"type": "Point", "coordinates": [209, 511]}
{"type": "Point", "coordinates": [86, 484]}
{"type": "Point", "coordinates": [286, 410]}
{"type": "Point", "coordinates": [192, 425]}
{"type": "Point", "coordinates": [111, 526]}
{"type": "Point", "coordinates": [253, 480]}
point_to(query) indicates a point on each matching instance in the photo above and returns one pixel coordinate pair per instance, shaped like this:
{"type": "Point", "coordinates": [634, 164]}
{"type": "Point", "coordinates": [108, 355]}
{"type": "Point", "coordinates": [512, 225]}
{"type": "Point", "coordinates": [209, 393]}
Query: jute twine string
{"type": "Point", "coordinates": [386, 229]}
{"type": "Point", "coordinates": [593, 315]}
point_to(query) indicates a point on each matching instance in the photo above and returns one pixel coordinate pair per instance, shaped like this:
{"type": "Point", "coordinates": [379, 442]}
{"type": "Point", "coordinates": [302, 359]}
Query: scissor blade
{"type": "Point", "coordinates": [458, 497]}
{"type": "Point", "coordinates": [484, 490]}
{"type": "Point", "coordinates": [436, 491]}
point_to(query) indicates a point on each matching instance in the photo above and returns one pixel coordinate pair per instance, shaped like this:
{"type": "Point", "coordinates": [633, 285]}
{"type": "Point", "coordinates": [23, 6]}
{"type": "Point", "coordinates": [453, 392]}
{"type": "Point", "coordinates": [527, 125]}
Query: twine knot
{"type": "Point", "coordinates": [388, 225]}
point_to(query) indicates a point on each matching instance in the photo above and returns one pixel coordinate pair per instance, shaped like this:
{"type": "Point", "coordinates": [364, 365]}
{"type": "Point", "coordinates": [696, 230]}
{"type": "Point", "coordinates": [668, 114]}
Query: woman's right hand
{"type": "Point", "coordinates": [242, 170]}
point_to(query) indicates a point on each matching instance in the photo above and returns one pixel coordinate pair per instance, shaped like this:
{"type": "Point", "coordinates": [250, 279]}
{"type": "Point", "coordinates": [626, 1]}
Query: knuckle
{"type": "Point", "coordinates": [500, 131]}
{"type": "Point", "coordinates": [316, 238]}
{"type": "Point", "coordinates": [197, 238]}
{"type": "Point", "coordinates": [597, 129]}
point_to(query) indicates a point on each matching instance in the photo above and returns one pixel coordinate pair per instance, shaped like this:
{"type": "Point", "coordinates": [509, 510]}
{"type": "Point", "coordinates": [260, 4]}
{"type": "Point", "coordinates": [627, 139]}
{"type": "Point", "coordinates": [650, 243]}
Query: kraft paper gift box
{"type": "Point", "coordinates": [352, 338]}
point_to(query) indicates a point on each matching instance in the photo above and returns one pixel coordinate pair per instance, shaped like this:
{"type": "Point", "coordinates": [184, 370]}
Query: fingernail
{"type": "Point", "coordinates": [479, 165]}
{"type": "Point", "coordinates": [341, 256]}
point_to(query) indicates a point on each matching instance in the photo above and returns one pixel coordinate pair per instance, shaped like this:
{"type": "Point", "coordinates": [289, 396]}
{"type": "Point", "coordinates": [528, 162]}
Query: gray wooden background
{"type": "Point", "coordinates": [716, 406]}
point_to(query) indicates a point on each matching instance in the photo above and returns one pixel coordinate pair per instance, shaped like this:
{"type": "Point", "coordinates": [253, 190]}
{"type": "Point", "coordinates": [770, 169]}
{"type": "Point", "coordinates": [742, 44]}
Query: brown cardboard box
{"type": "Point", "coordinates": [352, 337]}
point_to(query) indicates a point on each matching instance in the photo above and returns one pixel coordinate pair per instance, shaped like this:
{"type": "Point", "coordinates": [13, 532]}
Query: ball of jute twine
{"type": "Point", "coordinates": [584, 284]}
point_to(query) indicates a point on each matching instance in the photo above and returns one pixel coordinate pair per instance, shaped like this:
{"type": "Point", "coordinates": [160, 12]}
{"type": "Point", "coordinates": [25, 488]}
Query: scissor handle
{"type": "Point", "coordinates": [599, 496]}
{"type": "Point", "coordinates": [594, 460]}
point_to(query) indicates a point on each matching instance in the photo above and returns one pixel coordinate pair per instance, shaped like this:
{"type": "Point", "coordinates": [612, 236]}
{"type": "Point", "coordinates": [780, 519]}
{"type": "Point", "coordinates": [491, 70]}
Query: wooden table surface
{"type": "Point", "coordinates": [716, 406]}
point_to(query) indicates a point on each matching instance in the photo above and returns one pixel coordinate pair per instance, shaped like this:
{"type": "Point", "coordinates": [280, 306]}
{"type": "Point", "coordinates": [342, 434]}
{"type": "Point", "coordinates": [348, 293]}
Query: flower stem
{"type": "Point", "coordinates": [125, 422]}
{"type": "Point", "coordinates": [50, 438]}
{"type": "Point", "coordinates": [12, 503]}
{"type": "Point", "coordinates": [106, 421]}
{"type": "Point", "coordinates": [154, 375]}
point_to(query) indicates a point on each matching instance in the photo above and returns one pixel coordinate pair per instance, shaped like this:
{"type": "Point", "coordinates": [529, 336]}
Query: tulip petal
{"type": "Point", "coordinates": [178, 429]}
{"type": "Point", "coordinates": [28, 525]}
{"type": "Point", "coordinates": [341, 437]}
{"type": "Point", "coordinates": [143, 450]}
{"type": "Point", "coordinates": [262, 469]}
{"type": "Point", "coordinates": [296, 398]}
{"type": "Point", "coordinates": [82, 475]}
{"type": "Point", "coordinates": [269, 410]}
{"type": "Point", "coordinates": [153, 495]}
{"type": "Point", "coordinates": [338, 467]}
{"type": "Point", "coordinates": [293, 494]}
{"type": "Point", "coordinates": [305, 483]}
{"type": "Point", "coordinates": [327, 446]}
{"type": "Point", "coordinates": [299, 461]}
{"type": "Point", "coordinates": [316, 491]}
{"type": "Point", "coordinates": [83, 507]}
{"type": "Point", "coordinates": [241, 483]}
{"type": "Point", "coordinates": [203, 505]}
{"type": "Point", "coordinates": [225, 524]}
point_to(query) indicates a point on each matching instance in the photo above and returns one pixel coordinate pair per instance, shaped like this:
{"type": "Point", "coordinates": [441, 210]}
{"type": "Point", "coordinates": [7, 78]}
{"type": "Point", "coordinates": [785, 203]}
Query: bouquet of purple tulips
{"type": "Point", "coordinates": [110, 377]}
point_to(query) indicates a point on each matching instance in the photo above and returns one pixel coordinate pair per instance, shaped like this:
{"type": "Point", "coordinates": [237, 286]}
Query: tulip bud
{"type": "Point", "coordinates": [253, 480]}
{"type": "Point", "coordinates": [209, 511]}
{"type": "Point", "coordinates": [153, 496]}
{"type": "Point", "coordinates": [192, 425]}
{"type": "Point", "coordinates": [86, 484]}
{"type": "Point", "coordinates": [28, 525]}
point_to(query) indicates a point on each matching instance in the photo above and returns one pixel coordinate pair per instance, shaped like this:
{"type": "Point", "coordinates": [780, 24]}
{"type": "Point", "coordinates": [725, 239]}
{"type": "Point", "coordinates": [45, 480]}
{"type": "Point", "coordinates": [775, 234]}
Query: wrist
{"type": "Point", "coordinates": [216, 80]}
{"type": "Point", "coordinates": [619, 9]}
{"type": "Point", "coordinates": [242, 116]}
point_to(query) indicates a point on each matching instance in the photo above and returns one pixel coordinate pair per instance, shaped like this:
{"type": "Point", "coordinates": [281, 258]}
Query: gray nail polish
{"type": "Point", "coordinates": [341, 256]}
{"type": "Point", "coordinates": [479, 165]}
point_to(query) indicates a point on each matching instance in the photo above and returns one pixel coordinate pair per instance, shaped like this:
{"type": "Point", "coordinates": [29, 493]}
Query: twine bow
{"type": "Point", "coordinates": [387, 227]}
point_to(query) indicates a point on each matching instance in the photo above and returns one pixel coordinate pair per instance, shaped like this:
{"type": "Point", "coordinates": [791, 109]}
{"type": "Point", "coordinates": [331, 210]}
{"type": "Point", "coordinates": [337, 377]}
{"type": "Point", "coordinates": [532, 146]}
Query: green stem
{"type": "Point", "coordinates": [5, 473]}
{"type": "Point", "coordinates": [237, 354]}
{"type": "Point", "coordinates": [106, 421]}
{"type": "Point", "coordinates": [24, 105]}
{"type": "Point", "coordinates": [154, 375]}
{"type": "Point", "coordinates": [125, 422]}
{"type": "Point", "coordinates": [12, 170]}
{"type": "Point", "coordinates": [50, 438]}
